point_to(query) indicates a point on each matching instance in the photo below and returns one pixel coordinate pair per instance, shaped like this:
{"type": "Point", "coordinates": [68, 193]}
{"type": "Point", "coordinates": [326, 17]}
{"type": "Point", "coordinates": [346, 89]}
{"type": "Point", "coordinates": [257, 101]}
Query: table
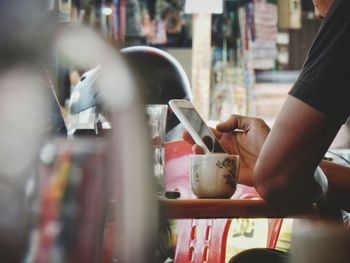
{"type": "Point", "coordinates": [231, 208]}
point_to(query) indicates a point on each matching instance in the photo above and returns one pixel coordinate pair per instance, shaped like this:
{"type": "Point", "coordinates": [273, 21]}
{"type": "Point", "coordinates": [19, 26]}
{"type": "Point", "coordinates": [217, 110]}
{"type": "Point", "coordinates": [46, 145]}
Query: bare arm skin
{"type": "Point", "coordinates": [338, 184]}
{"type": "Point", "coordinates": [285, 169]}
{"type": "Point", "coordinates": [281, 163]}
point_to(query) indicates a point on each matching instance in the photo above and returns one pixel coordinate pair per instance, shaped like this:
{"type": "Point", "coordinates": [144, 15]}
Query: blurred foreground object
{"type": "Point", "coordinates": [68, 202]}
{"type": "Point", "coordinates": [320, 243]}
{"type": "Point", "coordinates": [24, 120]}
{"type": "Point", "coordinates": [128, 169]}
{"type": "Point", "coordinates": [71, 203]}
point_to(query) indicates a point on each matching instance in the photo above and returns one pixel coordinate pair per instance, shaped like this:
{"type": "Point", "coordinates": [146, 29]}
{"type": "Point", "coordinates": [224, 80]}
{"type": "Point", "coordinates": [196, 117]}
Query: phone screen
{"type": "Point", "coordinates": [203, 130]}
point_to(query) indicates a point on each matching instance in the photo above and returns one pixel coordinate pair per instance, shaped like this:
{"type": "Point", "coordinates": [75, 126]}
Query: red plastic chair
{"type": "Point", "coordinates": [202, 240]}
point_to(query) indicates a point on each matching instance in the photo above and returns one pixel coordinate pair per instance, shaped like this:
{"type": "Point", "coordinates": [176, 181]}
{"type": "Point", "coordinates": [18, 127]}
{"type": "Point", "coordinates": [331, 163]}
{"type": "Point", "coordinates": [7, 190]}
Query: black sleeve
{"type": "Point", "coordinates": [324, 82]}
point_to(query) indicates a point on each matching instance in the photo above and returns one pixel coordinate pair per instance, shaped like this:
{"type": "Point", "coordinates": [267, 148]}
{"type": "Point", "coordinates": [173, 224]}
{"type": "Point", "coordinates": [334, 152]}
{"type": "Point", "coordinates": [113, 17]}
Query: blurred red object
{"type": "Point", "coordinates": [202, 240]}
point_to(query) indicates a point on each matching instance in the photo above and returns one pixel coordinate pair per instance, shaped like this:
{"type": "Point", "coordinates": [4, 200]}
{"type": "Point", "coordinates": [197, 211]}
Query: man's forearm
{"type": "Point", "coordinates": [338, 184]}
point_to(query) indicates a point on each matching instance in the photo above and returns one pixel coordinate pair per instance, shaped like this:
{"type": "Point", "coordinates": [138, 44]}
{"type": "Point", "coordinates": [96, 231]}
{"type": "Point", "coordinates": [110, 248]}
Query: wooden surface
{"type": "Point", "coordinates": [230, 208]}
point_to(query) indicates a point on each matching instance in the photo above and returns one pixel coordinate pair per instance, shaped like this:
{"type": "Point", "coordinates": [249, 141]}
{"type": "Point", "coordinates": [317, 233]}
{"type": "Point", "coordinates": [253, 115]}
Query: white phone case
{"type": "Point", "coordinates": [176, 106]}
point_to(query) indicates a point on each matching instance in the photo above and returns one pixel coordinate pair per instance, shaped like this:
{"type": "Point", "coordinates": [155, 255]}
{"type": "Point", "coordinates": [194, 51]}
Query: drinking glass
{"type": "Point", "coordinates": [157, 114]}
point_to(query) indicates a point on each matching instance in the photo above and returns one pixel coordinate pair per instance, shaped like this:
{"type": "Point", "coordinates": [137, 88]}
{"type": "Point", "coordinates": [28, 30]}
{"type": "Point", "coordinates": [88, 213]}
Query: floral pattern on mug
{"type": "Point", "coordinates": [230, 179]}
{"type": "Point", "coordinates": [231, 176]}
{"type": "Point", "coordinates": [226, 163]}
{"type": "Point", "coordinates": [195, 171]}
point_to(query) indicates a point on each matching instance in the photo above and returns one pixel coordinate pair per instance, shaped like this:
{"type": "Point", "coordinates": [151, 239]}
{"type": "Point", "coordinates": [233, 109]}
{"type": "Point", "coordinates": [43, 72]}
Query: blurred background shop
{"type": "Point", "coordinates": [241, 56]}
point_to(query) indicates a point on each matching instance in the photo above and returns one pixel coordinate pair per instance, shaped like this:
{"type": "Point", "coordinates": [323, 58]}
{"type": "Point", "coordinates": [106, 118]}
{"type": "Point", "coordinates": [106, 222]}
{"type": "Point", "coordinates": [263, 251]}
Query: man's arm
{"type": "Point", "coordinates": [338, 184]}
{"type": "Point", "coordinates": [285, 169]}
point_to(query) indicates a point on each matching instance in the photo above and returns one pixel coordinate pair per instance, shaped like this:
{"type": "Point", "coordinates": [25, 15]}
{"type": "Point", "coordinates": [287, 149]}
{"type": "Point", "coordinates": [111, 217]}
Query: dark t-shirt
{"type": "Point", "coordinates": [324, 82]}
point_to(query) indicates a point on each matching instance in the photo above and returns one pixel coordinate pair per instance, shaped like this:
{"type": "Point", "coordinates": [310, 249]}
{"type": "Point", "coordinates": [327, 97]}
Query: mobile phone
{"type": "Point", "coordinates": [196, 126]}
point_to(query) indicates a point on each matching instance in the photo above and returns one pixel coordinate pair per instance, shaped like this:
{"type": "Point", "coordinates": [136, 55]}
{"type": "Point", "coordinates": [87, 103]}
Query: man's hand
{"type": "Point", "coordinates": [239, 135]}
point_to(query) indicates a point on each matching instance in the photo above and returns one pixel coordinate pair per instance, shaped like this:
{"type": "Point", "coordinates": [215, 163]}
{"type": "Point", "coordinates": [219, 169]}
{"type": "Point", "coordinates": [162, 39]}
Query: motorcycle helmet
{"type": "Point", "coordinates": [160, 77]}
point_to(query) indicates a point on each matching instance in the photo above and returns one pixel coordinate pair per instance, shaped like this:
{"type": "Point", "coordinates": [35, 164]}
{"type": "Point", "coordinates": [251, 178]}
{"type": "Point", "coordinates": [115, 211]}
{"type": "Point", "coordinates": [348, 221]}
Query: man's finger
{"type": "Point", "coordinates": [197, 149]}
{"type": "Point", "coordinates": [187, 137]}
{"type": "Point", "coordinates": [235, 122]}
{"type": "Point", "coordinates": [216, 133]}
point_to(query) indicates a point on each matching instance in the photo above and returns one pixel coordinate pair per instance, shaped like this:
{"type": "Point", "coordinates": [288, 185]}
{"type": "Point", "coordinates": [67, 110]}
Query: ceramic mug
{"type": "Point", "coordinates": [214, 175]}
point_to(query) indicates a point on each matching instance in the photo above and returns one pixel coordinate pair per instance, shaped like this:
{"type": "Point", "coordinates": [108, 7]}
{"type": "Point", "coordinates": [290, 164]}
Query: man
{"type": "Point", "coordinates": [283, 163]}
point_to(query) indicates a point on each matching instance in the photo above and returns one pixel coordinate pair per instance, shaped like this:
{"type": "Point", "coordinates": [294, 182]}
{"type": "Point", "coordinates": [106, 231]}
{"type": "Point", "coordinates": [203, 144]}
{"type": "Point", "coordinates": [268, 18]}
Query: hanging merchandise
{"type": "Point", "coordinates": [239, 93]}
{"type": "Point", "coordinates": [106, 19]}
{"type": "Point", "coordinates": [219, 91]}
{"type": "Point", "coordinates": [122, 21]}
{"type": "Point", "coordinates": [160, 36]}
{"type": "Point", "coordinates": [229, 89]}
{"type": "Point", "coordinates": [154, 31]}
{"type": "Point", "coordinates": [148, 28]}
{"type": "Point", "coordinates": [258, 23]}
{"type": "Point", "coordinates": [289, 14]}
{"type": "Point", "coordinates": [204, 6]}
{"type": "Point", "coordinates": [118, 20]}
{"type": "Point", "coordinates": [229, 94]}
{"type": "Point", "coordinates": [245, 18]}
{"type": "Point", "coordinates": [149, 13]}
{"type": "Point", "coordinates": [115, 19]}
{"type": "Point", "coordinates": [133, 18]}
{"type": "Point", "coordinates": [264, 47]}
{"type": "Point", "coordinates": [64, 11]}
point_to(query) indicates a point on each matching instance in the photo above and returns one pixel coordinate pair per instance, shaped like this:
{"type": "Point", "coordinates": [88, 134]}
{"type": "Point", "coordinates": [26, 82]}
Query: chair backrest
{"type": "Point", "coordinates": [202, 240]}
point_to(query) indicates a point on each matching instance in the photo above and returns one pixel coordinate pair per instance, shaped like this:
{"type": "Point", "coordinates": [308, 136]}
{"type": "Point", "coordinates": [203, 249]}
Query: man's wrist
{"type": "Point", "coordinates": [321, 178]}
{"type": "Point", "coordinates": [327, 209]}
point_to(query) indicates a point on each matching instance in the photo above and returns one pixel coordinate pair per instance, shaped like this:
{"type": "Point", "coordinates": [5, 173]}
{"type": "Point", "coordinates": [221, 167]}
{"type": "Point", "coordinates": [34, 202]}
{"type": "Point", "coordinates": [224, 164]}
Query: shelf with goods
{"type": "Point", "coordinates": [164, 24]}
{"type": "Point", "coordinates": [247, 44]}
{"type": "Point", "coordinates": [259, 46]}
